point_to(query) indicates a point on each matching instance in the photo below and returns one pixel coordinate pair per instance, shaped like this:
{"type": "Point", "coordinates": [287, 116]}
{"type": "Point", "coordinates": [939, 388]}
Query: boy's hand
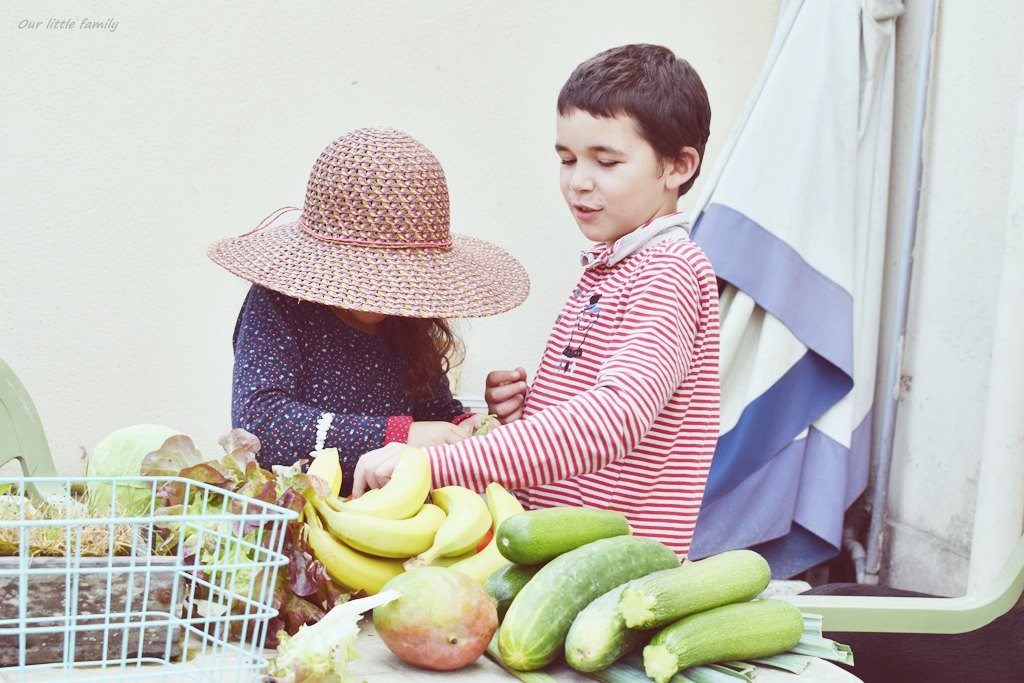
{"type": "Point", "coordinates": [506, 394]}
{"type": "Point", "coordinates": [424, 434]}
{"type": "Point", "coordinates": [374, 468]}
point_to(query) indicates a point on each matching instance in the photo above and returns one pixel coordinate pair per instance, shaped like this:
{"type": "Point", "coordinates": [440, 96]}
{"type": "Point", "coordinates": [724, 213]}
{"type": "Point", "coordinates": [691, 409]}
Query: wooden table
{"type": "Point", "coordinates": [379, 665]}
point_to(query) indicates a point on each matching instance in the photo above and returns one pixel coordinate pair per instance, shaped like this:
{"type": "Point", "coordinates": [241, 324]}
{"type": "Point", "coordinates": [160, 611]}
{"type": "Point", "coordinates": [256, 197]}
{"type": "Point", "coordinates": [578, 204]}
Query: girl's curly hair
{"type": "Point", "coordinates": [432, 349]}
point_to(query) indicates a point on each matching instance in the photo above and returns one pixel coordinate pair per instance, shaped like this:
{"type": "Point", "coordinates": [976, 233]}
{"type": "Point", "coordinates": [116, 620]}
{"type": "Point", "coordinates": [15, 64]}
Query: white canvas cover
{"type": "Point", "coordinates": [793, 219]}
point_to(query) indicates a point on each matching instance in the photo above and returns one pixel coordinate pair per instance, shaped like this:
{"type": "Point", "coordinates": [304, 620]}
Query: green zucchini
{"type": "Point", "coordinates": [743, 630]}
{"type": "Point", "coordinates": [537, 536]}
{"type": "Point", "coordinates": [598, 637]}
{"type": "Point", "coordinates": [732, 576]}
{"type": "Point", "coordinates": [536, 624]}
{"type": "Point", "coordinates": [504, 584]}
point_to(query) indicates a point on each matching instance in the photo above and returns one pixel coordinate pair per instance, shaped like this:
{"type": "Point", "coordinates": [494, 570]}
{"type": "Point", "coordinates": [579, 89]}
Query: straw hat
{"type": "Point", "coordinates": [374, 235]}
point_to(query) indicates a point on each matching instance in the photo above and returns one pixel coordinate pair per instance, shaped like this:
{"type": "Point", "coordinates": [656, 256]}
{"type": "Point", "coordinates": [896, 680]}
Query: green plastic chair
{"type": "Point", "coordinates": [880, 614]}
{"type": "Point", "coordinates": [22, 436]}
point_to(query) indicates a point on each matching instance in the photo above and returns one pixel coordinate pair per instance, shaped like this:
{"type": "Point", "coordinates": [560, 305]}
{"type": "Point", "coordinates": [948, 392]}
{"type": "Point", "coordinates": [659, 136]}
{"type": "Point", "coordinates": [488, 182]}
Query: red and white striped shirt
{"type": "Point", "coordinates": [624, 411]}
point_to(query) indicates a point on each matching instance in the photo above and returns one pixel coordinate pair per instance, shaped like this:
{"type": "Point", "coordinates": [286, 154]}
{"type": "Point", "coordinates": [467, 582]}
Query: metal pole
{"type": "Point", "coordinates": [894, 355]}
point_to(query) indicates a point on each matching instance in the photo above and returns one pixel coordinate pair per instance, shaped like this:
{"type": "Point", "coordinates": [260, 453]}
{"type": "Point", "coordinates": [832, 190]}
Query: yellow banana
{"type": "Point", "coordinates": [339, 504]}
{"type": "Point", "coordinates": [383, 537]}
{"type": "Point", "coordinates": [348, 567]}
{"type": "Point", "coordinates": [449, 561]}
{"type": "Point", "coordinates": [327, 466]}
{"type": "Point", "coordinates": [502, 505]}
{"type": "Point", "coordinates": [404, 493]}
{"type": "Point", "coordinates": [467, 522]}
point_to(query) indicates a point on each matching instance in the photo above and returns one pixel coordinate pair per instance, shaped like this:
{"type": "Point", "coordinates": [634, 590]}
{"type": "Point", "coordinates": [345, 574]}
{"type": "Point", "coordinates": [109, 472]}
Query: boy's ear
{"type": "Point", "coordinates": [682, 168]}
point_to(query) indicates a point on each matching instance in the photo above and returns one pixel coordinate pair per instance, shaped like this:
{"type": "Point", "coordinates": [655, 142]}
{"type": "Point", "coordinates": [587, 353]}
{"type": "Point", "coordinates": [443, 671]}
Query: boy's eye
{"type": "Point", "coordinates": [608, 163]}
{"type": "Point", "coordinates": [566, 162]}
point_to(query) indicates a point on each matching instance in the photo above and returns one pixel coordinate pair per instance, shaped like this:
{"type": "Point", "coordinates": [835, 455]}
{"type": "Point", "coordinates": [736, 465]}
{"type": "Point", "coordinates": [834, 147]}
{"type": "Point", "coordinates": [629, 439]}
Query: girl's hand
{"type": "Point", "coordinates": [505, 394]}
{"type": "Point", "coordinates": [471, 424]}
{"type": "Point", "coordinates": [437, 433]}
{"type": "Point", "coordinates": [374, 468]}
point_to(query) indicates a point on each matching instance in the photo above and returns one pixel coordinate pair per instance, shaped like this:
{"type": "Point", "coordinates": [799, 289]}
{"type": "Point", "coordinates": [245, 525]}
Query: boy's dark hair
{"type": "Point", "coordinates": [662, 92]}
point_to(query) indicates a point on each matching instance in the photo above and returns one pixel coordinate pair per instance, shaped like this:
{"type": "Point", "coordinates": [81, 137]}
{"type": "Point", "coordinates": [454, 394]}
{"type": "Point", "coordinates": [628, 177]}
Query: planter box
{"type": "Point", "coordinates": [90, 609]}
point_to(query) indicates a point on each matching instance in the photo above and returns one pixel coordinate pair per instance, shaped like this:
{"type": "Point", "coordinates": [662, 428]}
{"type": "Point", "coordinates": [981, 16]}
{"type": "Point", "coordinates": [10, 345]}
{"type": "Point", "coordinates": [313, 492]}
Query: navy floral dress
{"type": "Point", "coordinates": [295, 360]}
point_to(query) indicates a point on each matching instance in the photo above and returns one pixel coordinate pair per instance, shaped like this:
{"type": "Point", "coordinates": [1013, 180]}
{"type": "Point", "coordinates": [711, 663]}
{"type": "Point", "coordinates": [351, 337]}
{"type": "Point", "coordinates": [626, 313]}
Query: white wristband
{"type": "Point", "coordinates": [323, 425]}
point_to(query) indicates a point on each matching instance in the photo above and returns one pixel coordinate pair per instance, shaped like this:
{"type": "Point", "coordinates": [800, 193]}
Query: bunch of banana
{"type": "Point", "coordinates": [327, 465]}
{"type": "Point", "coordinates": [466, 523]}
{"type": "Point", "coordinates": [364, 542]}
{"type": "Point", "coordinates": [501, 504]}
{"type": "Point", "coordinates": [350, 568]}
{"type": "Point", "coordinates": [403, 495]}
{"type": "Point", "coordinates": [383, 537]}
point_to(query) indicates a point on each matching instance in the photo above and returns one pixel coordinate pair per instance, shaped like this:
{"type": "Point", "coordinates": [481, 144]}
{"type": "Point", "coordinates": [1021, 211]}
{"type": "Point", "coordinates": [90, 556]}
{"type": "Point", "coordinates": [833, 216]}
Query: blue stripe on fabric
{"type": "Point", "coordinates": [860, 459]}
{"type": "Point", "coordinates": [796, 552]}
{"type": "Point", "coordinates": [822, 499]}
{"type": "Point", "coordinates": [774, 419]}
{"type": "Point", "coordinates": [787, 510]}
{"type": "Point", "coordinates": [818, 311]}
{"type": "Point", "coordinates": [759, 508]}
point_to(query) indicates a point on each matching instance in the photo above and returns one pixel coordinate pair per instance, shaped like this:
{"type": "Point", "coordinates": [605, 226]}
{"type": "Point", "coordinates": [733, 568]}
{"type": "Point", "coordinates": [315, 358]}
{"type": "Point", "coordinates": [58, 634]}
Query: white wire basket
{"type": "Point", "coordinates": [90, 592]}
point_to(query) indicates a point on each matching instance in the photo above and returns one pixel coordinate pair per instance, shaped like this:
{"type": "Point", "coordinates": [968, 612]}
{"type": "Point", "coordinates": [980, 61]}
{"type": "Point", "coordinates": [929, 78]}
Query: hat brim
{"type": "Point", "coordinates": [473, 278]}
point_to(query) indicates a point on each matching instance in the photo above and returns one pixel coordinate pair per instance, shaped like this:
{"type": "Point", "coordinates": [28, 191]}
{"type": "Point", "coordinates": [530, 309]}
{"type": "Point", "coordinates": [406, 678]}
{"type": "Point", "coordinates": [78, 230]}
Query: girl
{"type": "Point", "coordinates": [343, 340]}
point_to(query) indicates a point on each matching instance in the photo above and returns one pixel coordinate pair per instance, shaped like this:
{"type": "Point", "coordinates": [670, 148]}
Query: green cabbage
{"type": "Point", "coordinates": [120, 454]}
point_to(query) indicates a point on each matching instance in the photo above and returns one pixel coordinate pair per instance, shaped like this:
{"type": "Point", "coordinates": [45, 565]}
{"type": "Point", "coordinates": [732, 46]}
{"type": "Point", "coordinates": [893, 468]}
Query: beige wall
{"type": "Point", "coordinates": [124, 153]}
{"type": "Point", "coordinates": [974, 146]}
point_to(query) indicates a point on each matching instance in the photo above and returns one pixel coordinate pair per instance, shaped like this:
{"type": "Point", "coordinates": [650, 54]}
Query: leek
{"type": "Point", "coordinates": [824, 648]}
{"type": "Point", "coordinates": [787, 661]}
{"type": "Point", "coordinates": [711, 674]}
{"type": "Point", "coordinates": [620, 672]}
{"type": "Point", "coordinates": [630, 670]}
{"type": "Point", "coordinates": [814, 644]}
{"type": "Point", "coordinates": [743, 669]}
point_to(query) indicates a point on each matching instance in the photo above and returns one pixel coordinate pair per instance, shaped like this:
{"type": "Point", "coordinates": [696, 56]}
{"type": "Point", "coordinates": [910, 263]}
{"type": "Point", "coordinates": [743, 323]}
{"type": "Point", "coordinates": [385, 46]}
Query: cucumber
{"type": "Point", "coordinates": [536, 624]}
{"type": "Point", "coordinates": [537, 536]}
{"type": "Point", "coordinates": [505, 583]}
{"type": "Point", "coordinates": [598, 636]}
{"type": "Point", "coordinates": [524, 676]}
{"type": "Point", "coordinates": [740, 631]}
{"type": "Point", "coordinates": [732, 576]}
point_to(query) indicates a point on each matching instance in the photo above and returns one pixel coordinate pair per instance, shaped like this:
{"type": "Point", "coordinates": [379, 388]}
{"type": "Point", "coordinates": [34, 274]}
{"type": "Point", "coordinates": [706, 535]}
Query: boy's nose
{"type": "Point", "coordinates": [581, 181]}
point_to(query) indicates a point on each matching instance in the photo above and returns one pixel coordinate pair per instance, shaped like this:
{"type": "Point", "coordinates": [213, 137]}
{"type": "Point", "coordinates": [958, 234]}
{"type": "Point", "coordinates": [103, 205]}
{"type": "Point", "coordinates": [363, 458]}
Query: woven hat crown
{"type": "Point", "coordinates": [378, 187]}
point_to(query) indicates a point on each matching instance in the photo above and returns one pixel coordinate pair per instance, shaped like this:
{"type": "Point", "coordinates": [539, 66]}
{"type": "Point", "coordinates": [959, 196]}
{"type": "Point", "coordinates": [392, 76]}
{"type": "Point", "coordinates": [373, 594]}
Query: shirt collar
{"type": "Point", "coordinates": [672, 226]}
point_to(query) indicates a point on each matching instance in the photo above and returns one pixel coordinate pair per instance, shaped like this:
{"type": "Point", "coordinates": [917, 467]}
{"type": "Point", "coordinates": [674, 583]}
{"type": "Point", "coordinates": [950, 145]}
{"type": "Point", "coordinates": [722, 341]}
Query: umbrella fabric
{"type": "Point", "coordinates": [793, 219]}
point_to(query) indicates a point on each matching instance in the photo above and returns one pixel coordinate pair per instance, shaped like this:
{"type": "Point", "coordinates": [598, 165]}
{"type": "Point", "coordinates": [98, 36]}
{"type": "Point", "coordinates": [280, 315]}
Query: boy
{"type": "Point", "coordinates": [623, 413]}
